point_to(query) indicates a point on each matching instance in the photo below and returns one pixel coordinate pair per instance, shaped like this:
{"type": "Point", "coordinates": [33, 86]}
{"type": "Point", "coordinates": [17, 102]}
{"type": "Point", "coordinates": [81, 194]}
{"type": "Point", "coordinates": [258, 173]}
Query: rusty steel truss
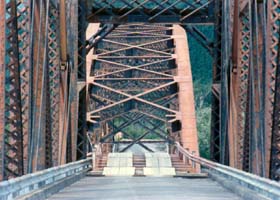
{"type": "Point", "coordinates": [39, 95]}
{"type": "Point", "coordinates": [245, 113]}
{"type": "Point", "coordinates": [43, 74]}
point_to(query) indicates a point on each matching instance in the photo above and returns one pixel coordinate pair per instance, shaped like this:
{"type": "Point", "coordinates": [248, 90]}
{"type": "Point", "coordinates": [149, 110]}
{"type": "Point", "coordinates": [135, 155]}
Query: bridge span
{"type": "Point", "coordinates": [220, 182]}
{"type": "Point", "coordinates": [139, 82]}
{"type": "Point", "coordinates": [97, 100]}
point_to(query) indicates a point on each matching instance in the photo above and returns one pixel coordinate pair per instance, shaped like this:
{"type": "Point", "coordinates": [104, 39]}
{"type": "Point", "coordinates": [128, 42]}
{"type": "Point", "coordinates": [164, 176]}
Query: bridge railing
{"type": "Point", "coordinates": [236, 180]}
{"type": "Point", "coordinates": [41, 184]}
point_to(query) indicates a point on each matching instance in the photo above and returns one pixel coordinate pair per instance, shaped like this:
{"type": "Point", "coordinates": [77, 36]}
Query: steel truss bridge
{"type": "Point", "coordinates": [70, 87]}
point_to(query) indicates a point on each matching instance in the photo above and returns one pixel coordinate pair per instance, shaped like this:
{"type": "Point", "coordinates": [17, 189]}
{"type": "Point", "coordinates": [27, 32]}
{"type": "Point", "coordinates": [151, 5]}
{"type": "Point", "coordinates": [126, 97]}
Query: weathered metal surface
{"type": "Point", "coordinates": [31, 83]}
{"type": "Point", "coordinates": [13, 135]}
{"type": "Point", "coordinates": [168, 11]}
{"type": "Point", "coordinates": [217, 65]}
{"type": "Point", "coordinates": [63, 31]}
{"type": "Point", "coordinates": [188, 133]}
{"type": "Point", "coordinates": [39, 75]}
{"type": "Point", "coordinates": [275, 147]}
{"type": "Point", "coordinates": [73, 81]}
{"type": "Point", "coordinates": [248, 60]}
{"type": "Point", "coordinates": [240, 80]}
{"type": "Point", "coordinates": [2, 84]}
{"type": "Point", "coordinates": [53, 86]}
{"type": "Point", "coordinates": [82, 141]}
{"type": "Point", "coordinates": [24, 18]}
{"type": "Point", "coordinates": [272, 91]}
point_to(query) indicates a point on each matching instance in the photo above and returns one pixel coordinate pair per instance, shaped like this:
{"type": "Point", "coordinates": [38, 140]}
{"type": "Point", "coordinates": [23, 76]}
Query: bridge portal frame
{"type": "Point", "coordinates": [162, 70]}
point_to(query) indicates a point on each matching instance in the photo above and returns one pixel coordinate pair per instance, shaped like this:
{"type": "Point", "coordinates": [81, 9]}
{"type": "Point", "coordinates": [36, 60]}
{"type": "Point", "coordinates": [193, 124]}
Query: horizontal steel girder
{"type": "Point", "coordinates": [156, 11]}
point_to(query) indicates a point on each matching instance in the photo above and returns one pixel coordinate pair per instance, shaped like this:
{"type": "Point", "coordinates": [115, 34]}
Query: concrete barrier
{"type": "Point", "coordinates": [119, 164]}
{"type": "Point", "coordinates": [42, 184]}
{"type": "Point", "coordinates": [158, 164]}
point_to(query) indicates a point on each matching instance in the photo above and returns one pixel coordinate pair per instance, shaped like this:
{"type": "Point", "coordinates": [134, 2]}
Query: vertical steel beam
{"type": "Point", "coordinates": [239, 97]}
{"type": "Point", "coordinates": [257, 161]}
{"type": "Point", "coordinates": [72, 38]}
{"type": "Point", "coordinates": [65, 77]}
{"type": "Point", "coordinates": [220, 106]}
{"type": "Point", "coordinates": [2, 83]}
{"type": "Point", "coordinates": [188, 136]}
{"type": "Point", "coordinates": [236, 127]}
{"type": "Point", "coordinates": [225, 69]}
{"type": "Point", "coordinates": [39, 77]}
{"type": "Point", "coordinates": [215, 115]}
{"type": "Point", "coordinates": [272, 90]}
{"type": "Point", "coordinates": [63, 32]}
{"type": "Point", "coordinates": [13, 135]}
{"type": "Point", "coordinates": [246, 130]}
{"type": "Point", "coordinates": [82, 26]}
{"type": "Point", "coordinates": [24, 22]}
{"type": "Point", "coordinates": [53, 83]}
{"type": "Point", "coordinates": [81, 134]}
{"type": "Point", "coordinates": [275, 145]}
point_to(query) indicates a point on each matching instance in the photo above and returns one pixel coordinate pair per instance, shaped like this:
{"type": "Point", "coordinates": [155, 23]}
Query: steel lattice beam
{"type": "Point", "coordinates": [249, 132]}
{"type": "Point", "coordinates": [35, 93]}
{"type": "Point", "coordinates": [169, 11]}
{"type": "Point", "coordinates": [215, 146]}
{"type": "Point", "coordinates": [272, 92]}
{"type": "Point", "coordinates": [141, 68]}
{"type": "Point", "coordinates": [13, 134]}
{"type": "Point", "coordinates": [2, 84]}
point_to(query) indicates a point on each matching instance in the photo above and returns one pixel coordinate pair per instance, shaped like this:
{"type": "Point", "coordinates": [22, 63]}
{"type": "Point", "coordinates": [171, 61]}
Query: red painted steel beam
{"type": "Point", "coordinates": [189, 138]}
{"type": "Point", "coordinates": [63, 32]}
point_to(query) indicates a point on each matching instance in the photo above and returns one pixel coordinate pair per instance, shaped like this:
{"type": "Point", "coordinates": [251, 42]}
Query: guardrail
{"type": "Point", "coordinates": [236, 180]}
{"type": "Point", "coordinates": [42, 184]}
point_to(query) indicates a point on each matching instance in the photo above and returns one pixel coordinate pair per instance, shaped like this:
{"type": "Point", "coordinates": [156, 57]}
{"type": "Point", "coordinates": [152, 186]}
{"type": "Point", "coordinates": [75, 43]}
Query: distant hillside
{"type": "Point", "coordinates": [202, 76]}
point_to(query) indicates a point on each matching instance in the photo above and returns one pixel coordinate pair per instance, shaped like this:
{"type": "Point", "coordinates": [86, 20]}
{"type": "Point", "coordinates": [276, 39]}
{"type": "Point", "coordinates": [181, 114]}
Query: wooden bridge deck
{"type": "Point", "coordinates": [148, 188]}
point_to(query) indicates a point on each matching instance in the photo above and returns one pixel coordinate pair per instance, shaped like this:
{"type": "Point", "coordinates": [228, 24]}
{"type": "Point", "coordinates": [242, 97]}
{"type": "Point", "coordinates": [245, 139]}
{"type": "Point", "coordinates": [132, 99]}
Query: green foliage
{"type": "Point", "coordinates": [201, 62]}
{"type": "Point", "coordinates": [135, 130]}
{"type": "Point", "coordinates": [203, 116]}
